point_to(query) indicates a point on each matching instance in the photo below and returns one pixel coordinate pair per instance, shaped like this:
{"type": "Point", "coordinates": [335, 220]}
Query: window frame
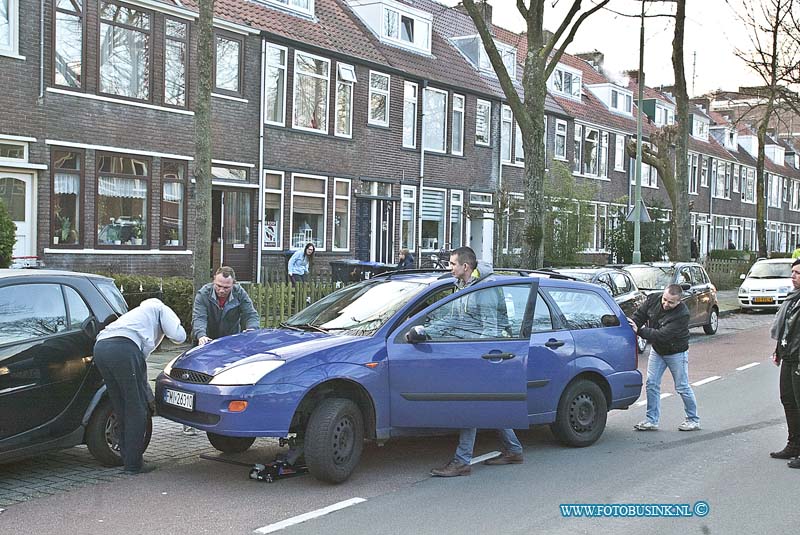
{"type": "Point", "coordinates": [444, 221]}
{"type": "Point", "coordinates": [54, 34]}
{"type": "Point", "coordinates": [81, 227]}
{"type": "Point", "coordinates": [380, 92]}
{"type": "Point", "coordinates": [287, 4]}
{"type": "Point", "coordinates": [151, 42]}
{"type": "Point", "coordinates": [182, 244]}
{"type": "Point", "coordinates": [348, 198]}
{"type": "Point", "coordinates": [456, 199]}
{"type": "Point", "coordinates": [412, 200]}
{"type": "Point", "coordinates": [351, 84]}
{"type": "Point", "coordinates": [462, 111]}
{"type": "Point", "coordinates": [282, 203]}
{"type": "Point", "coordinates": [12, 50]}
{"type": "Point", "coordinates": [148, 179]}
{"type": "Point", "coordinates": [323, 196]}
{"type": "Point", "coordinates": [488, 123]}
{"type": "Point", "coordinates": [187, 62]}
{"type": "Point", "coordinates": [295, 86]}
{"type": "Point", "coordinates": [619, 152]}
{"type": "Point", "coordinates": [285, 68]}
{"type": "Point", "coordinates": [218, 33]}
{"type": "Point", "coordinates": [506, 118]}
{"type": "Point", "coordinates": [560, 123]}
{"type": "Point", "coordinates": [406, 101]}
{"type": "Point", "coordinates": [443, 150]}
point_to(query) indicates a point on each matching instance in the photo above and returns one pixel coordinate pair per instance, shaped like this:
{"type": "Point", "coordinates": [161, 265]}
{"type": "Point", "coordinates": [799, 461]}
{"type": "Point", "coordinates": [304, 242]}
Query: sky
{"type": "Point", "coordinates": [713, 32]}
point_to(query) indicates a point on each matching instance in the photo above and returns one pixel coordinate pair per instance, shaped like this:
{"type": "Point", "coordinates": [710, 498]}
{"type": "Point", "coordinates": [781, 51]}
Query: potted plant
{"type": "Point", "coordinates": [173, 237]}
{"type": "Point", "coordinates": [137, 235]}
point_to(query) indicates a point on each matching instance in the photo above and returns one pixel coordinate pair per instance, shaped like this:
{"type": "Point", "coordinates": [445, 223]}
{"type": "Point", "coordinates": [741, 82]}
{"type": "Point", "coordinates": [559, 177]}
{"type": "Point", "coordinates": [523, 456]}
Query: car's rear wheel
{"type": "Point", "coordinates": [102, 434]}
{"type": "Point", "coordinates": [582, 413]}
{"type": "Point", "coordinates": [230, 444]}
{"type": "Point", "coordinates": [334, 440]}
{"type": "Point", "coordinates": [713, 322]}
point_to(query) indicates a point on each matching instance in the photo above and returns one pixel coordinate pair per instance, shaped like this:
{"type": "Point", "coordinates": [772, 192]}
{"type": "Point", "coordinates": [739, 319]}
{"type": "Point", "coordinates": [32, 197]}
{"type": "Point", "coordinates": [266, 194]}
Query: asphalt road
{"type": "Point", "coordinates": [725, 464]}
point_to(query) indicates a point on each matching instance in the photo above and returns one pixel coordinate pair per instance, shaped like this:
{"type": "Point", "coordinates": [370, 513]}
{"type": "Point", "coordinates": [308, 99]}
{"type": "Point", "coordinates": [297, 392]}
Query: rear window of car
{"type": "Point", "coordinates": [582, 309]}
{"type": "Point", "coordinates": [112, 295]}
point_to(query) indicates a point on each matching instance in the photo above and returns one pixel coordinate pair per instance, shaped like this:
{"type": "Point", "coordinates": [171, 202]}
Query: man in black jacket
{"type": "Point", "coordinates": [663, 320]}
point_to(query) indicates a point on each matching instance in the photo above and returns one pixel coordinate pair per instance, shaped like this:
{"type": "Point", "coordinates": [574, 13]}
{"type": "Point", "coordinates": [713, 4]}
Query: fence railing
{"type": "Point", "coordinates": [276, 301]}
{"type": "Point", "coordinates": [725, 273]}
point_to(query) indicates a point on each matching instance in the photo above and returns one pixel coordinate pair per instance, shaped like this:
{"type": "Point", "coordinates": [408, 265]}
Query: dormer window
{"type": "Point", "coordinates": [566, 82]}
{"type": "Point", "coordinates": [615, 98]}
{"type": "Point", "coordinates": [664, 115]}
{"type": "Point", "coordinates": [406, 28]}
{"type": "Point", "coordinates": [622, 102]}
{"type": "Point", "coordinates": [507, 53]}
{"type": "Point", "coordinates": [699, 128]}
{"type": "Point", "coordinates": [306, 7]}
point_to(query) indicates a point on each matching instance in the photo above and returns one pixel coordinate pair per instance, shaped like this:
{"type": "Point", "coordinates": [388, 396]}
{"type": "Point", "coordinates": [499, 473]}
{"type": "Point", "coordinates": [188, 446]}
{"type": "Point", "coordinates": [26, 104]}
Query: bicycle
{"type": "Point", "coordinates": [439, 259]}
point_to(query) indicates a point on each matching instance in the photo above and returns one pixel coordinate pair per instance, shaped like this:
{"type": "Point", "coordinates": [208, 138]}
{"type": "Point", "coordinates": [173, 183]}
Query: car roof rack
{"type": "Point", "coordinates": [527, 272]}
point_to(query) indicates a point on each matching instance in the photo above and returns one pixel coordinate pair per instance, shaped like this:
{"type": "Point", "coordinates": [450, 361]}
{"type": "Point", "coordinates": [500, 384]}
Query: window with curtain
{"type": "Point", "coordinates": [236, 217]}
{"type": "Point", "coordinates": [590, 150]}
{"type": "Point", "coordinates": [175, 61]}
{"type": "Point", "coordinates": [173, 203]}
{"type": "Point", "coordinates": [311, 76]}
{"type": "Point", "coordinates": [227, 64]}
{"type": "Point", "coordinates": [435, 117]}
{"type": "Point", "coordinates": [433, 218]}
{"type": "Point", "coordinates": [408, 217]}
{"type": "Point", "coordinates": [379, 99]}
{"type": "Point", "coordinates": [346, 76]}
{"type": "Point", "coordinates": [66, 197]}
{"type": "Point", "coordinates": [410, 115]}
{"type": "Point", "coordinates": [273, 210]}
{"type": "Point", "coordinates": [341, 215]}
{"type": "Point", "coordinates": [68, 43]}
{"type": "Point", "coordinates": [308, 211]}
{"type": "Point", "coordinates": [275, 85]}
{"type": "Point", "coordinates": [457, 141]}
{"type": "Point", "coordinates": [122, 193]}
{"type": "Point", "coordinates": [125, 41]}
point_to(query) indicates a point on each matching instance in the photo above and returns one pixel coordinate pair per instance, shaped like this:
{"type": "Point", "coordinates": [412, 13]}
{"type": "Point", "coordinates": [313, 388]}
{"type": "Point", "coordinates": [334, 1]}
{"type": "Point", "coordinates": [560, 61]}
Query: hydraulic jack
{"type": "Point", "coordinates": [283, 467]}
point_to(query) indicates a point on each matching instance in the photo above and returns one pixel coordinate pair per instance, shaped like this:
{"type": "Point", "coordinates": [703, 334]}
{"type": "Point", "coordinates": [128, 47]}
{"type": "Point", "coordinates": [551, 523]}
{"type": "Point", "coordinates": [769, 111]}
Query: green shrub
{"type": "Point", "coordinates": [8, 231]}
{"type": "Point", "coordinates": [731, 254]}
{"type": "Point", "coordinates": [779, 254]}
{"type": "Point", "coordinates": [176, 292]}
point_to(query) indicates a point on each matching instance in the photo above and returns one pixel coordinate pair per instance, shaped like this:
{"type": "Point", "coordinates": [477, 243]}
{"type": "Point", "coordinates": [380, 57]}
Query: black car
{"type": "Point", "coordinates": [617, 282]}
{"type": "Point", "coordinates": [699, 294]}
{"type": "Point", "coordinates": [51, 393]}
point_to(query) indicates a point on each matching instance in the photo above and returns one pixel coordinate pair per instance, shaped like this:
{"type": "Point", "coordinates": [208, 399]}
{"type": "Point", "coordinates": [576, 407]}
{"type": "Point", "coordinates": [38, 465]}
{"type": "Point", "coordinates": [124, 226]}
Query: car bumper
{"type": "Point", "coordinates": [269, 412]}
{"type": "Point", "coordinates": [626, 387]}
{"type": "Point", "coordinates": [758, 301]}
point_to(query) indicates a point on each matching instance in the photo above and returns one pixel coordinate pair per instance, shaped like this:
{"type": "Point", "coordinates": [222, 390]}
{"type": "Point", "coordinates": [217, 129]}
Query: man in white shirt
{"type": "Point", "coordinates": [119, 353]}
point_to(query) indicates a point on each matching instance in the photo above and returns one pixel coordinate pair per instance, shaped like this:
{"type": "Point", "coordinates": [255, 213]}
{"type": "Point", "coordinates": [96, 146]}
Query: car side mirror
{"type": "Point", "coordinates": [416, 335]}
{"type": "Point", "coordinates": [742, 277]}
{"type": "Point", "coordinates": [686, 286]}
{"type": "Point", "coordinates": [89, 327]}
{"type": "Point", "coordinates": [609, 320]}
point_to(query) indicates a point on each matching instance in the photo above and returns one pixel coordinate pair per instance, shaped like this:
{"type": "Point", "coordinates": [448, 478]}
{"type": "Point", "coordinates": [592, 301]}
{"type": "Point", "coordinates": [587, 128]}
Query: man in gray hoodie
{"type": "Point", "coordinates": [221, 308]}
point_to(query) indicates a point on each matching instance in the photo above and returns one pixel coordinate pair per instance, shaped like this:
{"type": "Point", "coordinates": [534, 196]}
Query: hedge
{"type": "Point", "coordinates": [731, 254]}
{"type": "Point", "coordinates": [176, 292]}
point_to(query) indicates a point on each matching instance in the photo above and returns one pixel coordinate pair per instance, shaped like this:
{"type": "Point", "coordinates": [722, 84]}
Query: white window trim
{"type": "Point", "coordinates": [561, 157]}
{"type": "Point", "coordinates": [405, 10]}
{"type": "Point", "coordinates": [285, 68]}
{"type": "Point", "coordinates": [586, 130]}
{"type": "Point", "coordinates": [414, 223]}
{"type": "Point", "coordinates": [619, 163]}
{"type": "Point", "coordinates": [323, 196]}
{"type": "Point", "coordinates": [462, 109]}
{"type": "Point", "coordinates": [336, 105]}
{"type": "Point", "coordinates": [444, 117]}
{"type": "Point", "coordinates": [288, 6]}
{"type": "Point", "coordinates": [25, 151]}
{"type": "Point", "coordinates": [12, 51]}
{"type": "Point", "coordinates": [456, 194]}
{"type": "Point", "coordinates": [510, 121]}
{"type": "Point", "coordinates": [279, 247]}
{"type": "Point", "coordinates": [445, 219]}
{"type": "Point", "coordinates": [518, 133]}
{"type": "Point", "coordinates": [347, 198]}
{"type": "Point", "coordinates": [296, 85]}
{"type": "Point", "coordinates": [416, 113]}
{"type": "Point", "coordinates": [488, 104]}
{"type": "Point", "coordinates": [473, 201]}
{"type": "Point", "coordinates": [386, 93]}
{"type": "Point", "coordinates": [691, 158]}
{"type": "Point", "coordinates": [574, 72]}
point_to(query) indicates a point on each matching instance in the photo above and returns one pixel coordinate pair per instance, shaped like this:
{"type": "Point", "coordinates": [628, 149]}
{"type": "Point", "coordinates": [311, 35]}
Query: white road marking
{"type": "Point", "coordinates": [308, 516]}
{"type": "Point", "coordinates": [668, 394]}
{"type": "Point", "coordinates": [485, 456]}
{"type": "Point", "coordinates": [740, 368]}
{"type": "Point", "coordinates": [641, 403]}
{"type": "Point", "coordinates": [706, 380]}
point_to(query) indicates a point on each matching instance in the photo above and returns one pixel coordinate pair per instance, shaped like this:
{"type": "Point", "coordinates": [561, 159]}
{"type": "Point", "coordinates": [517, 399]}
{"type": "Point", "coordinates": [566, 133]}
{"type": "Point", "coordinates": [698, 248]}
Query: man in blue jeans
{"type": "Point", "coordinates": [663, 320]}
{"type": "Point", "coordinates": [463, 264]}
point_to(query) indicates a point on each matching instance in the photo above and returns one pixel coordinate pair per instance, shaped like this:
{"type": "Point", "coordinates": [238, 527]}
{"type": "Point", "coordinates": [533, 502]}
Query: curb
{"type": "Point", "coordinates": [728, 312]}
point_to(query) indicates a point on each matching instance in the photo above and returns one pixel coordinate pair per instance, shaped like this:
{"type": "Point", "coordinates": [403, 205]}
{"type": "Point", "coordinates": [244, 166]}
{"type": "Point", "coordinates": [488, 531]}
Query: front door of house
{"type": "Point", "coordinates": [382, 231]}
{"type": "Point", "coordinates": [16, 192]}
{"type": "Point", "coordinates": [233, 233]}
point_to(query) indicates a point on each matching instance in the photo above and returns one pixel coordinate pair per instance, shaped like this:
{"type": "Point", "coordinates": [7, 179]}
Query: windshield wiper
{"type": "Point", "coordinates": [311, 327]}
{"type": "Point", "coordinates": [289, 326]}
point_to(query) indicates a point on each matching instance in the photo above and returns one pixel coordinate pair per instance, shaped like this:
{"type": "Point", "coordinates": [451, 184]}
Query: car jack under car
{"type": "Point", "coordinates": [283, 467]}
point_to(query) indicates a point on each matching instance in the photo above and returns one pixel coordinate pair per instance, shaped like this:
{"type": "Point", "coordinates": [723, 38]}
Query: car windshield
{"type": "Point", "coordinates": [770, 270]}
{"type": "Point", "coordinates": [359, 309]}
{"type": "Point", "coordinates": [651, 277]}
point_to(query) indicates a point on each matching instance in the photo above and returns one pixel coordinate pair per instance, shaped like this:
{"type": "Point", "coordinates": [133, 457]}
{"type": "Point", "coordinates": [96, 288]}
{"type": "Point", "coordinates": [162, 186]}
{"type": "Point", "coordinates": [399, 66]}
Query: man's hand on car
{"type": "Point", "coordinates": [633, 325]}
{"type": "Point", "coordinates": [203, 340]}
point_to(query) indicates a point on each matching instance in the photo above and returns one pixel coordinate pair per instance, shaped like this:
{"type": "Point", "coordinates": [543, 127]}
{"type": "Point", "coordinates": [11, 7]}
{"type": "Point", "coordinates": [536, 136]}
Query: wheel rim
{"type": "Point", "coordinates": [582, 413]}
{"type": "Point", "coordinates": [714, 320]}
{"type": "Point", "coordinates": [112, 432]}
{"type": "Point", "coordinates": [343, 440]}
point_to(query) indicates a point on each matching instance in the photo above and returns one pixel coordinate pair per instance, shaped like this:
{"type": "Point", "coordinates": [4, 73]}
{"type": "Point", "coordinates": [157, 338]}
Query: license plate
{"type": "Point", "coordinates": [763, 300]}
{"type": "Point", "coordinates": [184, 400]}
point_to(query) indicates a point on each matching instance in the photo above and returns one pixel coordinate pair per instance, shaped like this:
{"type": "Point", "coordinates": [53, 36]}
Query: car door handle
{"type": "Point", "coordinates": [553, 343]}
{"type": "Point", "coordinates": [498, 356]}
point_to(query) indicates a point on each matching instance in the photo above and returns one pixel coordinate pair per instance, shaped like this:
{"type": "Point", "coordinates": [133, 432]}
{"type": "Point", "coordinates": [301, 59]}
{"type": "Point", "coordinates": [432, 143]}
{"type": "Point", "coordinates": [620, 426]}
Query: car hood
{"type": "Point", "coordinates": [766, 284]}
{"type": "Point", "coordinates": [265, 344]}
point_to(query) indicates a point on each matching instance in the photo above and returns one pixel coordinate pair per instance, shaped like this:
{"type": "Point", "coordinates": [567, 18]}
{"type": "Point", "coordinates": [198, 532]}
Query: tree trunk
{"type": "Point", "coordinates": [533, 144]}
{"type": "Point", "coordinates": [761, 223]}
{"type": "Point", "coordinates": [202, 140]}
{"type": "Point", "coordinates": [682, 229]}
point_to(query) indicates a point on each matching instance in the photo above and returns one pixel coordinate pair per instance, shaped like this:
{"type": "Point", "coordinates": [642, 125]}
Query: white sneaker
{"type": "Point", "coordinates": [689, 425]}
{"type": "Point", "coordinates": [646, 425]}
{"type": "Point", "coordinates": [189, 431]}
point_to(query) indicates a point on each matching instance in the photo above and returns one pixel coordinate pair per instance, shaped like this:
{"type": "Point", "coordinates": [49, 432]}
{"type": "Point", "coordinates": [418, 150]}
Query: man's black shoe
{"type": "Point", "coordinates": [795, 463]}
{"type": "Point", "coordinates": [145, 468]}
{"type": "Point", "coordinates": [789, 452]}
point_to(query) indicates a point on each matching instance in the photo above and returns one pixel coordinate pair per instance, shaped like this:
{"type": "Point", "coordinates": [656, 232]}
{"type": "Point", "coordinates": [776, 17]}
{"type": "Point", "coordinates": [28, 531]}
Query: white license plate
{"type": "Point", "coordinates": [184, 400]}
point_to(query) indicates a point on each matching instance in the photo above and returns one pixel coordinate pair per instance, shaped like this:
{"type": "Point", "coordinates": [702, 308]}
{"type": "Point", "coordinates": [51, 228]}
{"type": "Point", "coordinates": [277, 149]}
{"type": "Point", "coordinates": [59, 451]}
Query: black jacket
{"type": "Point", "coordinates": [791, 351]}
{"type": "Point", "coordinates": [667, 330]}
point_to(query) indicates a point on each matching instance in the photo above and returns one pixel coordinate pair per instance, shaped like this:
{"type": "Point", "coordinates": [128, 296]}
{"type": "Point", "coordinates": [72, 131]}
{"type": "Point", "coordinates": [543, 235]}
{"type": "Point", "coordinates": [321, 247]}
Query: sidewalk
{"type": "Point", "coordinates": [161, 357]}
{"type": "Point", "coordinates": [728, 302]}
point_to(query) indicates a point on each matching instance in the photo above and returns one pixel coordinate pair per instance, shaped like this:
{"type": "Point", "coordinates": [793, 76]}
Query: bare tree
{"type": "Point", "coordinates": [682, 228]}
{"type": "Point", "coordinates": [543, 55]}
{"type": "Point", "coordinates": [774, 56]}
{"type": "Point", "coordinates": [202, 143]}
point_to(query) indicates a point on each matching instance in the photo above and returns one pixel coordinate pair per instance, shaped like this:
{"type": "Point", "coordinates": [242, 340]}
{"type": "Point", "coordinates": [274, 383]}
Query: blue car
{"type": "Point", "coordinates": [404, 354]}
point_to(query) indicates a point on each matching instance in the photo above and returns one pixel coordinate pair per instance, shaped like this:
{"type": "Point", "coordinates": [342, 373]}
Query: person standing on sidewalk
{"type": "Point", "coordinates": [663, 320]}
{"type": "Point", "coordinates": [786, 330]}
{"type": "Point", "coordinates": [120, 352]}
{"type": "Point", "coordinates": [300, 263]}
{"type": "Point", "coordinates": [462, 265]}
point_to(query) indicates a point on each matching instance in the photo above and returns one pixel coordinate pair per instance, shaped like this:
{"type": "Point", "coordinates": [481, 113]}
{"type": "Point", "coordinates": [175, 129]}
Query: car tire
{"type": "Point", "coordinates": [713, 322]}
{"type": "Point", "coordinates": [641, 344]}
{"type": "Point", "coordinates": [102, 434]}
{"type": "Point", "coordinates": [230, 444]}
{"type": "Point", "coordinates": [581, 416]}
{"type": "Point", "coordinates": [334, 440]}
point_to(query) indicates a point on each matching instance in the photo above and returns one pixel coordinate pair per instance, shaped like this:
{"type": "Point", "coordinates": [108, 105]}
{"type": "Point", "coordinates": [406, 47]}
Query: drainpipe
{"type": "Point", "coordinates": [41, 48]}
{"type": "Point", "coordinates": [421, 176]}
{"type": "Point", "coordinates": [712, 229]}
{"type": "Point", "coordinates": [495, 230]}
{"type": "Point", "coordinates": [260, 224]}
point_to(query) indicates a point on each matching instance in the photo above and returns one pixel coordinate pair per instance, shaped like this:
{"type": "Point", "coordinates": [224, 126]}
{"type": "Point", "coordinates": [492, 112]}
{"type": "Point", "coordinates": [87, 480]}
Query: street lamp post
{"type": "Point", "coordinates": [637, 231]}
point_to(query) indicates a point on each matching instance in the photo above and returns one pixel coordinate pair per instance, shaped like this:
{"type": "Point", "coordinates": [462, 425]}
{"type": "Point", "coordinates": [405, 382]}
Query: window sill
{"type": "Point", "coordinates": [485, 145]}
{"type": "Point", "coordinates": [117, 101]}
{"type": "Point", "coordinates": [593, 177]}
{"type": "Point", "coordinates": [12, 55]}
{"type": "Point", "coordinates": [229, 97]}
{"type": "Point", "coordinates": [49, 250]}
{"type": "Point", "coordinates": [378, 126]}
{"type": "Point", "coordinates": [560, 158]}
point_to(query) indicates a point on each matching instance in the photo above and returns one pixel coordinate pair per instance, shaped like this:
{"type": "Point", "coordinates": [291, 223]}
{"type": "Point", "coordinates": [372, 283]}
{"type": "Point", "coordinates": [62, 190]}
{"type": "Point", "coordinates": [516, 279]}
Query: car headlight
{"type": "Point", "coordinates": [246, 374]}
{"type": "Point", "coordinates": [170, 364]}
{"type": "Point", "coordinates": [784, 290]}
{"type": "Point", "coordinates": [742, 290]}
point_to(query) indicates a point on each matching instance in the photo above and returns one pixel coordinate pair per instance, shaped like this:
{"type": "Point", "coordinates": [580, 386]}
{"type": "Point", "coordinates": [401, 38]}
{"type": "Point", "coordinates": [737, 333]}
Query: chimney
{"type": "Point", "coordinates": [633, 74]}
{"type": "Point", "coordinates": [594, 58]}
{"type": "Point", "coordinates": [483, 7]}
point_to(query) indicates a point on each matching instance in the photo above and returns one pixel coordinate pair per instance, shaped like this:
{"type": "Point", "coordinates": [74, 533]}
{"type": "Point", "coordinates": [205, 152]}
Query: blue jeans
{"type": "Point", "coordinates": [466, 443]}
{"type": "Point", "coordinates": [678, 365]}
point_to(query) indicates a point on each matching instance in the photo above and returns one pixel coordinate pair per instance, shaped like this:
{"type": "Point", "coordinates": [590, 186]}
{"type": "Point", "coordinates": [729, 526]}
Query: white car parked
{"type": "Point", "coordinates": [766, 284]}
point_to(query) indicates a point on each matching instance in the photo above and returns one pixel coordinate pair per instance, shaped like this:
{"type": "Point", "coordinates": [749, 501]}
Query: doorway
{"type": "Point", "coordinates": [233, 231]}
{"type": "Point", "coordinates": [16, 192]}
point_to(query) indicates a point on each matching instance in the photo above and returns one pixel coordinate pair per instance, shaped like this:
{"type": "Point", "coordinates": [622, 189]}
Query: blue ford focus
{"type": "Point", "coordinates": [402, 353]}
